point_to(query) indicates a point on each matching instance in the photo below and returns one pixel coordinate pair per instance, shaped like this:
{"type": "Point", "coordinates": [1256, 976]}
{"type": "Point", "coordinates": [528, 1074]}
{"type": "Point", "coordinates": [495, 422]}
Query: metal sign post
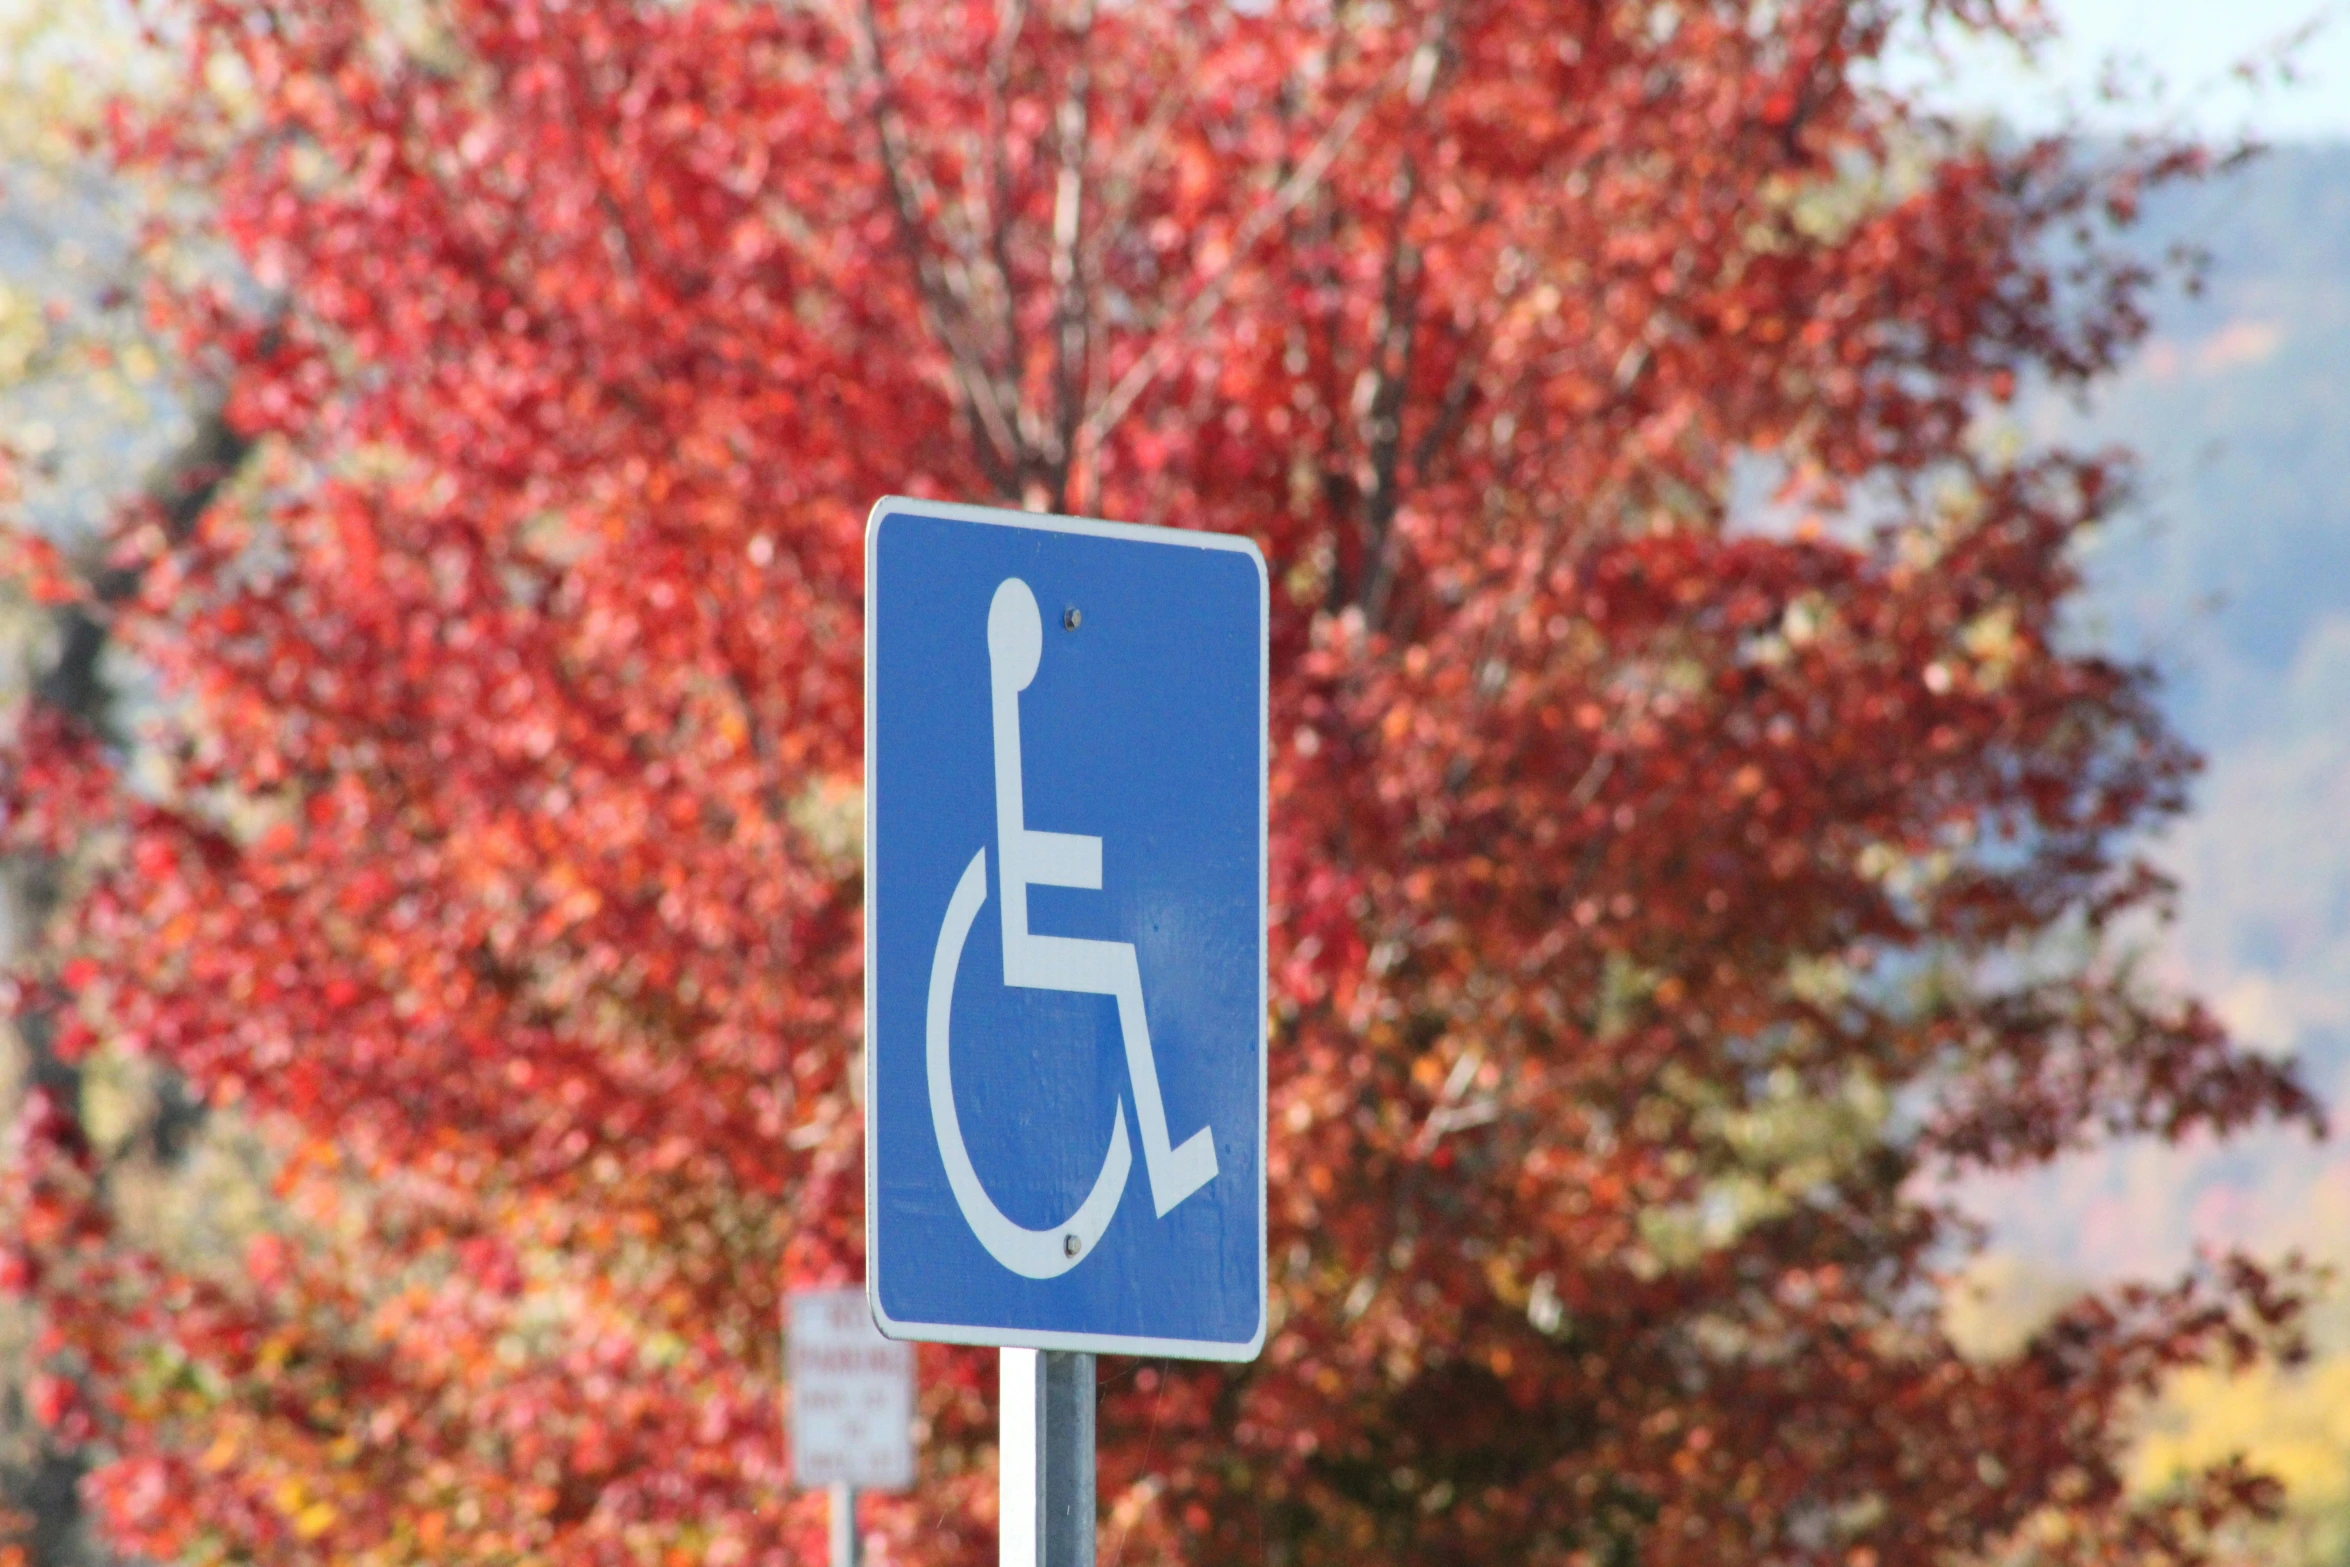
{"type": "Point", "coordinates": [845, 1544]}
{"type": "Point", "coordinates": [1045, 1459]}
{"type": "Point", "coordinates": [1065, 883]}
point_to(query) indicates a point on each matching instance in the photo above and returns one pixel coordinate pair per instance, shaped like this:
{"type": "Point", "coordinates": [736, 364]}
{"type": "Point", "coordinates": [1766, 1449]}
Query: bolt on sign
{"type": "Point", "coordinates": [852, 1395]}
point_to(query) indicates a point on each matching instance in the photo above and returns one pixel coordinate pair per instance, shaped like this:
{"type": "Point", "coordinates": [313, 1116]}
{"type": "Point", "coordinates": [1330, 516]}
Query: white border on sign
{"type": "Point", "coordinates": [1018, 1338]}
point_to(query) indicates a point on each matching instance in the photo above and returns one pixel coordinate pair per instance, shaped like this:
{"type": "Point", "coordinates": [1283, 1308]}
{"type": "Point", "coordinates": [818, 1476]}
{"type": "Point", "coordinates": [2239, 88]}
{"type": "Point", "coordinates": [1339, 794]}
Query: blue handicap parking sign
{"type": "Point", "coordinates": [1065, 932]}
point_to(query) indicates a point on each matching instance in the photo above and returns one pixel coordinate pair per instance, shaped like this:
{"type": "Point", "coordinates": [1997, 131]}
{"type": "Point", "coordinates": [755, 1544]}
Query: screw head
{"type": "Point", "coordinates": [1070, 1244]}
{"type": "Point", "coordinates": [1070, 621]}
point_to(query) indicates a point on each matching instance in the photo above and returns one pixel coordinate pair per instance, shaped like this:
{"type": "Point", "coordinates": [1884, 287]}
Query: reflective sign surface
{"type": "Point", "coordinates": [1065, 932]}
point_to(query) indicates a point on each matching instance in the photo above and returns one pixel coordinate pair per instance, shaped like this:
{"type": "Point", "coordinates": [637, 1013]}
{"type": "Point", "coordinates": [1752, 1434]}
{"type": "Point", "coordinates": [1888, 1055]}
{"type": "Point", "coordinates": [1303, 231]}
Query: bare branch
{"type": "Point", "coordinates": [1450, 414]}
{"type": "Point", "coordinates": [1121, 182]}
{"type": "Point", "coordinates": [943, 303]}
{"type": "Point", "coordinates": [1009, 23]}
{"type": "Point", "coordinates": [1386, 378]}
{"type": "Point", "coordinates": [1072, 308]}
{"type": "Point", "coordinates": [1392, 355]}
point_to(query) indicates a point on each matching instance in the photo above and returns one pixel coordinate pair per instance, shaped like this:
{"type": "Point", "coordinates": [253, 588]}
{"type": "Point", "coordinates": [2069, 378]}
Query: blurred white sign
{"type": "Point", "coordinates": [852, 1395]}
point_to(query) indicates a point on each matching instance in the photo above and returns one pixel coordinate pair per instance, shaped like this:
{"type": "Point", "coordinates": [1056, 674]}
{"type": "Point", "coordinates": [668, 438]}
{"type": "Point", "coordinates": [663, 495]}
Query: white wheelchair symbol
{"type": "Point", "coordinates": [1015, 644]}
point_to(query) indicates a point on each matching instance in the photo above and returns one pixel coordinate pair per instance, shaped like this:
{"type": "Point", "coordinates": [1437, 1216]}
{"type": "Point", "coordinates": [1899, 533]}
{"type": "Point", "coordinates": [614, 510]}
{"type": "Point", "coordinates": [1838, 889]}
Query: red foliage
{"type": "Point", "coordinates": [1661, 886]}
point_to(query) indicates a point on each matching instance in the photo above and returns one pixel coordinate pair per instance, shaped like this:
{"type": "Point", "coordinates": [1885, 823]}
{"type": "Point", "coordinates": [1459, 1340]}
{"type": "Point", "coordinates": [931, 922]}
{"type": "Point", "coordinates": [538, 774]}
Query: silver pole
{"type": "Point", "coordinates": [1045, 1459]}
{"type": "Point", "coordinates": [844, 1525]}
{"type": "Point", "coordinates": [1067, 1442]}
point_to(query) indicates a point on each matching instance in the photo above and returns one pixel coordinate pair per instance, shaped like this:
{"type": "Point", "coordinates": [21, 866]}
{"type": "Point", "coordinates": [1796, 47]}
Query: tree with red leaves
{"type": "Point", "coordinates": [1695, 832]}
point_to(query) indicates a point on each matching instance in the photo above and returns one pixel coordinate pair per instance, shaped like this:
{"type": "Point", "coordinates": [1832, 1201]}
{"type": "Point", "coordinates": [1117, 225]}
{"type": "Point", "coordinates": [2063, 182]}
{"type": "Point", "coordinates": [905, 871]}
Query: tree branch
{"type": "Point", "coordinates": [1072, 307]}
{"type": "Point", "coordinates": [1000, 447]}
{"type": "Point", "coordinates": [1381, 393]}
{"type": "Point", "coordinates": [1391, 367]}
{"type": "Point", "coordinates": [1140, 376]}
{"type": "Point", "coordinates": [1010, 22]}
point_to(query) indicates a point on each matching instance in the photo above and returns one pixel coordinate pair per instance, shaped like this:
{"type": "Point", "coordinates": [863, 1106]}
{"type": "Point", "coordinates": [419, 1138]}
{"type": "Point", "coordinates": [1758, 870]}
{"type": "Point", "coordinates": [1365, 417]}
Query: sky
{"type": "Point", "coordinates": [2231, 574]}
{"type": "Point", "coordinates": [2181, 54]}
